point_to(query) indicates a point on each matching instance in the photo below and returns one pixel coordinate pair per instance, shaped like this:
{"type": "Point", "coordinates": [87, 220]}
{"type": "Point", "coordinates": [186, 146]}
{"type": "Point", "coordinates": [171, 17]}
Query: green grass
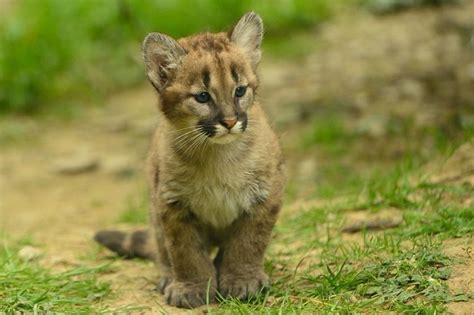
{"type": "Point", "coordinates": [410, 280]}
{"type": "Point", "coordinates": [348, 159]}
{"type": "Point", "coordinates": [28, 288]}
{"type": "Point", "coordinates": [135, 211]}
{"type": "Point", "coordinates": [329, 132]}
{"type": "Point", "coordinates": [402, 270]}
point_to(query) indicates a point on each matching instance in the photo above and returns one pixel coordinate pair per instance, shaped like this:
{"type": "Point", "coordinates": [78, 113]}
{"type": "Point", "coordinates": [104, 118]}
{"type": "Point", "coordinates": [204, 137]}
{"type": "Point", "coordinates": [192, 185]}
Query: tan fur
{"type": "Point", "coordinates": [222, 188]}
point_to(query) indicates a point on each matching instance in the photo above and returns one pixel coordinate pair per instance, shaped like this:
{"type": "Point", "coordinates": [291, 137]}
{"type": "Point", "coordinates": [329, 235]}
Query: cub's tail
{"type": "Point", "coordinates": [128, 245]}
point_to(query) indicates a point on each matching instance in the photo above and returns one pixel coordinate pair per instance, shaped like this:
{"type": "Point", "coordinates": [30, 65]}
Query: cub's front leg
{"type": "Point", "coordinates": [239, 262]}
{"type": "Point", "coordinates": [193, 273]}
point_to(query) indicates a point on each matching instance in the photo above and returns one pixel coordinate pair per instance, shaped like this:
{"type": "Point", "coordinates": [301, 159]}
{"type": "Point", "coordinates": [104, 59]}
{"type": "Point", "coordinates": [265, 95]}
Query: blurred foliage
{"type": "Point", "coordinates": [53, 50]}
{"type": "Point", "coordinates": [386, 6]}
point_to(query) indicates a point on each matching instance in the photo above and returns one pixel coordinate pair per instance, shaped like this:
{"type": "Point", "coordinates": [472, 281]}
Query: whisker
{"type": "Point", "coordinates": [185, 128]}
{"type": "Point", "coordinates": [184, 138]}
{"type": "Point", "coordinates": [196, 144]}
{"type": "Point", "coordinates": [176, 139]}
{"type": "Point", "coordinates": [204, 146]}
{"type": "Point", "coordinates": [183, 143]}
{"type": "Point", "coordinates": [193, 146]}
{"type": "Point", "coordinates": [191, 141]}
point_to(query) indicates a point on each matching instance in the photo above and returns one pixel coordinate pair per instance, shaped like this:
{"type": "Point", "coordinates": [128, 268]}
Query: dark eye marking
{"type": "Point", "coordinates": [233, 71]}
{"type": "Point", "coordinates": [206, 78]}
{"type": "Point", "coordinates": [240, 91]}
{"type": "Point", "coordinates": [202, 97]}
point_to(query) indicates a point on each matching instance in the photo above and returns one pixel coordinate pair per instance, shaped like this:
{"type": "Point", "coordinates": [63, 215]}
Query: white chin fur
{"type": "Point", "coordinates": [224, 139]}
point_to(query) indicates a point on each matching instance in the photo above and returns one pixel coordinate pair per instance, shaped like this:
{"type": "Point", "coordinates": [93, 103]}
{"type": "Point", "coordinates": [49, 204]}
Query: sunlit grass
{"type": "Point", "coordinates": [401, 270]}
{"type": "Point", "coordinates": [27, 287]}
{"type": "Point", "coordinates": [135, 211]}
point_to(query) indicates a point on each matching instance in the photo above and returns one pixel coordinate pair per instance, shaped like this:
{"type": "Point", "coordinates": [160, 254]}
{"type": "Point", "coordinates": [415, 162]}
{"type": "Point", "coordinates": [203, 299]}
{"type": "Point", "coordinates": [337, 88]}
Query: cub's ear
{"type": "Point", "coordinates": [248, 34]}
{"type": "Point", "coordinates": [162, 55]}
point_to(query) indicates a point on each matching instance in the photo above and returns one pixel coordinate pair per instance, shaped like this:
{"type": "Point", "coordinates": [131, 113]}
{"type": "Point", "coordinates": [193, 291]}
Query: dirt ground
{"type": "Point", "coordinates": [107, 145]}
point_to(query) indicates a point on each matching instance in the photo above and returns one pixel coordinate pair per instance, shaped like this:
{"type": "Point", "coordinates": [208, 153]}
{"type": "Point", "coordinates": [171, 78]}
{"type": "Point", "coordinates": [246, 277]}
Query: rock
{"type": "Point", "coordinates": [412, 89]}
{"type": "Point", "coordinates": [76, 164]}
{"type": "Point", "coordinates": [373, 125]}
{"type": "Point", "coordinates": [29, 253]}
{"type": "Point", "coordinates": [382, 220]}
{"type": "Point", "coordinates": [121, 166]}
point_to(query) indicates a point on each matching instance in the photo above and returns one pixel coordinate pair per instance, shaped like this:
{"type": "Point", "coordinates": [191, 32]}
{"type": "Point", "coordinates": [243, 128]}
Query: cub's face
{"type": "Point", "coordinates": [207, 82]}
{"type": "Point", "coordinates": [214, 85]}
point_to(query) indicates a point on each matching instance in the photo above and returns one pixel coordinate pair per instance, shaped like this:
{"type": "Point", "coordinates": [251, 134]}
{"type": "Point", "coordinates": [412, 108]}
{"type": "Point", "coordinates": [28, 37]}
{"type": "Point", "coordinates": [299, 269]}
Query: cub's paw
{"type": "Point", "coordinates": [242, 287]}
{"type": "Point", "coordinates": [188, 295]}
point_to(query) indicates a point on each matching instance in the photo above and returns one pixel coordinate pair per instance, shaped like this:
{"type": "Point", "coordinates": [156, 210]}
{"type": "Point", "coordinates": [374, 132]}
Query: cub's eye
{"type": "Point", "coordinates": [202, 97]}
{"type": "Point", "coordinates": [240, 91]}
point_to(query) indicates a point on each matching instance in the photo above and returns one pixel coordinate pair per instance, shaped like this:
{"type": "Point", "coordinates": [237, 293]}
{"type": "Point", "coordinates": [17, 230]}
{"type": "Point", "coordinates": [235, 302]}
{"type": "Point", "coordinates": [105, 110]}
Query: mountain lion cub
{"type": "Point", "coordinates": [215, 169]}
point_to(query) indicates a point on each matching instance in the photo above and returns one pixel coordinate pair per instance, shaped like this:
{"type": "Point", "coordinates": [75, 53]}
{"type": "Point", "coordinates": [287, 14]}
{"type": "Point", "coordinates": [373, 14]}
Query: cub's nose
{"type": "Point", "coordinates": [229, 123]}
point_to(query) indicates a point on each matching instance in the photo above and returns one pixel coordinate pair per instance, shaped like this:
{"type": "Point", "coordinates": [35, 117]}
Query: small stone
{"type": "Point", "coordinates": [121, 166]}
{"type": "Point", "coordinates": [382, 220]}
{"type": "Point", "coordinates": [78, 164]}
{"type": "Point", "coordinates": [29, 253]}
{"type": "Point", "coordinates": [411, 88]}
{"type": "Point", "coordinates": [373, 125]}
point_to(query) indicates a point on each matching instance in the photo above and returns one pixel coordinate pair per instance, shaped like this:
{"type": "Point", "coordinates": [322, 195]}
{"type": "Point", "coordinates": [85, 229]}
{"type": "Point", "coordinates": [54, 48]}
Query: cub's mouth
{"type": "Point", "coordinates": [223, 131]}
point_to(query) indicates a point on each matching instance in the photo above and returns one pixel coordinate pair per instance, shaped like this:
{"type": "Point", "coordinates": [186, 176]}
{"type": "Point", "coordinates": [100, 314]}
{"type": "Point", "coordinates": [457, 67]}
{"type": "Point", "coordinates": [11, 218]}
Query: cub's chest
{"type": "Point", "coordinates": [219, 199]}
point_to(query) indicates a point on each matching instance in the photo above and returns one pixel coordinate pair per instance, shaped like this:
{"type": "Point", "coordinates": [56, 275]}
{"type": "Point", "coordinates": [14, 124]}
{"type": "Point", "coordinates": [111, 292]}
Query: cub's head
{"type": "Point", "coordinates": [207, 82]}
